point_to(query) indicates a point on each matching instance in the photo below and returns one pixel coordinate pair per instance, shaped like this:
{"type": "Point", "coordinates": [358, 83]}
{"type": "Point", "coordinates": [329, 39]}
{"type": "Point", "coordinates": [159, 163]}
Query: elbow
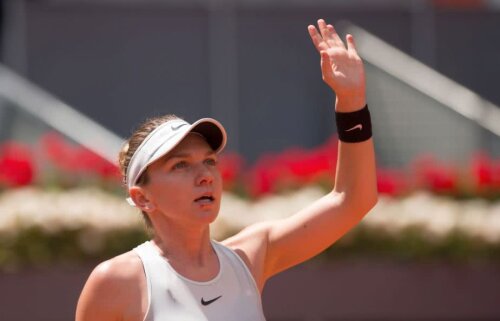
{"type": "Point", "coordinates": [372, 201]}
{"type": "Point", "coordinates": [372, 197]}
{"type": "Point", "coordinates": [369, 198]}
{"type": "Point", "coordinates": [361, 202]}
{"type": "Point", "coordinates": [364, 203]}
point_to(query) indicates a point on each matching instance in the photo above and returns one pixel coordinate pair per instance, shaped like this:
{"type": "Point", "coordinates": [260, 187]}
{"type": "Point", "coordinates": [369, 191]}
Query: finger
{"type": "Point", "coordinates": [316, 38]}
{"type": "Point", "coordinates": [329, 34]}
{"type": "Point", "coordinates": [323, 29]}
{"type": "Point", "coordinates": [326, 66]}
{"type": "Point", "coordinates": [332, 33]}
{"type": "Point", "coordinates": [351, 45]}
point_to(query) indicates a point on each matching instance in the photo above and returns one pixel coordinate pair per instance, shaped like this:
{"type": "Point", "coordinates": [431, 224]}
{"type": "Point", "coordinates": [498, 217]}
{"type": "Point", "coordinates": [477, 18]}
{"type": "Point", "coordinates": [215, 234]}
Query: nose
{"type": "Point", "coordinates": [205, 176]}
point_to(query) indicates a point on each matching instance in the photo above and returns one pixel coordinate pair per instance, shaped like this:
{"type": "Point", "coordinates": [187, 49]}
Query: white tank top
{"type": "Point", "coordinates": [231, 295]}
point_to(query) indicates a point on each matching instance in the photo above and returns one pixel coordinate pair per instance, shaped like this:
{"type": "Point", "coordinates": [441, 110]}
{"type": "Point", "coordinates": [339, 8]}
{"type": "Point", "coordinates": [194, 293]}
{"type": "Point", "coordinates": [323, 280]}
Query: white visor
{"type": "Point", "coordinates": [165, 137]}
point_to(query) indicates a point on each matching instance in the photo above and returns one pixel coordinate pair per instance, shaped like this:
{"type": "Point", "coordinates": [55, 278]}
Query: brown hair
{"type": "Point", "coordinates": [130, 146]}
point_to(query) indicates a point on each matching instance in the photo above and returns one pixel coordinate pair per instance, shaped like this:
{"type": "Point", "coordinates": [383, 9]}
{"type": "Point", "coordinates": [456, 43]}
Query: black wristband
{"type": "Point", "coordinates": [354, 127]}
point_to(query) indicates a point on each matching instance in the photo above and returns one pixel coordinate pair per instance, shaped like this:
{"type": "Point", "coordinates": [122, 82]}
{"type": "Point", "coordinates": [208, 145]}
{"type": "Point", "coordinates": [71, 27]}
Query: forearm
{"type": "Point", "coordinates": [343, 71]}
{"type": "Point", "coordinates": [356, 170]}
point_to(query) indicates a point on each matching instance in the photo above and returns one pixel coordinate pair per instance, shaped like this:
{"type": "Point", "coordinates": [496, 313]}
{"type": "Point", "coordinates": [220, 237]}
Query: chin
{"type": "Point", "coordinates": [209, 214]}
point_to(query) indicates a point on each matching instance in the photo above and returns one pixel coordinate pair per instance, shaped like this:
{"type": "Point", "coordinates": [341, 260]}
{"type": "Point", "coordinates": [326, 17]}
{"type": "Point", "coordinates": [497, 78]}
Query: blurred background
{"type": "Point", "coordinates": [76, 77]}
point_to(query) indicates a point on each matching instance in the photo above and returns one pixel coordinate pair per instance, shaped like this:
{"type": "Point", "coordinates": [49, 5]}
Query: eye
{"type": "Point", "coordinates": [180, 165]}
{"type": "Point", "coordinates": [211, 161]}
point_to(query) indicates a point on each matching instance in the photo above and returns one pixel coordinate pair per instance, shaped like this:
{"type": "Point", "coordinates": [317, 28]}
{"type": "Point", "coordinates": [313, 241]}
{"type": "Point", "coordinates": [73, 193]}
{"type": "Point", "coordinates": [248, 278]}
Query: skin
{"type": "Point", "coordinates": [116, 289]}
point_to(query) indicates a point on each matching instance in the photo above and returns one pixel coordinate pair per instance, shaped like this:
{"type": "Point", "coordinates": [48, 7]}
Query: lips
{"type": "Point", "coordinates": [205, 198]}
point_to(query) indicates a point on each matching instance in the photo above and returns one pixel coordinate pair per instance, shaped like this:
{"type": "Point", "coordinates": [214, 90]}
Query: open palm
{"type": "Point", "coordinates": [341, 66]}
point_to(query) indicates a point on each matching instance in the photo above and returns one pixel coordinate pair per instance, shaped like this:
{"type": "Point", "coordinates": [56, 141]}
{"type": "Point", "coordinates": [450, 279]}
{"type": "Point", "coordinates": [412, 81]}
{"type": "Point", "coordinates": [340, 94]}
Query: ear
{"type": "Point", "coordinates": [140, 198]}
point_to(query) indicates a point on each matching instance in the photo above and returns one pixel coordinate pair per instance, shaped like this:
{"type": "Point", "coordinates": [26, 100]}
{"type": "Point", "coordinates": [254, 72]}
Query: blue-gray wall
{"type": "Point", "coordinates": [252, 66]}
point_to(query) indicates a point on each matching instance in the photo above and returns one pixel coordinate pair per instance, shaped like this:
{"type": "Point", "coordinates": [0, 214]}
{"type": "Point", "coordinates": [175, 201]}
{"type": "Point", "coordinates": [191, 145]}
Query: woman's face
{"type": "Point", "coordinates": [185, 185]}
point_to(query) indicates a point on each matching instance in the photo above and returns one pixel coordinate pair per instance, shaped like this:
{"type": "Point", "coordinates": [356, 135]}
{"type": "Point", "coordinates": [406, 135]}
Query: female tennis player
{"type": "Point", "coordinates": [170, 168]}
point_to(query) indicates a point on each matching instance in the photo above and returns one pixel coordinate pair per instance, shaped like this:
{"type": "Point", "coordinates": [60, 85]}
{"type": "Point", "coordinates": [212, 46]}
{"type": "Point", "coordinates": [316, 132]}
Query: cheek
{"type": "Point", "coordinates": [217, 178]}
{"type": "Point", "coordinates": [168, 188]}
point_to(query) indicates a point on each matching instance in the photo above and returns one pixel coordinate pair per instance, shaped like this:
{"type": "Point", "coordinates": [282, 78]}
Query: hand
{"type": "Point", "coordinates": [341, 66]}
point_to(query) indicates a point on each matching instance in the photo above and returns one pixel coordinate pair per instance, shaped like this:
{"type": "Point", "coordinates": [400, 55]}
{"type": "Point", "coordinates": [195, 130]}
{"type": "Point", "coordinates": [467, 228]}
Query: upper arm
{"type": "Point", "coordinates": [297, 238]}
{"type": "Point", "coordinates": [251, 244]}
{"type": "Point", "coordinates": [111, 291]}
{"type": "Point", "coordinates": [273, 246]}
{"type": "Point", "coordinates": [96, 301]}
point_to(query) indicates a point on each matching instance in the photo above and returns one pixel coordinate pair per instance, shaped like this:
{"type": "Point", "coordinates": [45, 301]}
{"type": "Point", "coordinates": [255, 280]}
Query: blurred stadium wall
{"type": "Point", "coordinates": [250, 64]}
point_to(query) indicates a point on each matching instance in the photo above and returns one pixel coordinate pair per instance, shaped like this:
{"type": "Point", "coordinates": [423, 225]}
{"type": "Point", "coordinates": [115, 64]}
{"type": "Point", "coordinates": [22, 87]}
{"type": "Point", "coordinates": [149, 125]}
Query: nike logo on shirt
{"type": "Point", "coordinates": [210, 301]}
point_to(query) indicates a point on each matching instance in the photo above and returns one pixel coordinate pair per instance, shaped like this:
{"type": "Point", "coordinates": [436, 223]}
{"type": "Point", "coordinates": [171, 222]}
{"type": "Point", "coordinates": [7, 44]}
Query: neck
{"type": "Point", "coordinates": [181, 244]}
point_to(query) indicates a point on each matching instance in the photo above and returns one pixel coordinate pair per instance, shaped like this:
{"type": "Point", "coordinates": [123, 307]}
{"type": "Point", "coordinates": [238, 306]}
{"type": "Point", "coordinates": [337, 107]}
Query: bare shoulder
{"type": "Point", "coordinates": [251, 245]}
{"type": "Point", "coordinates": [121, 268]}
{"type": "Point", "coordinates": [115, 290]}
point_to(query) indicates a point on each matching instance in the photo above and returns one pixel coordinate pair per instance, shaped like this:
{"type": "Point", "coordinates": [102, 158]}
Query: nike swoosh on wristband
{"type": "Point", "coordinates": [358, 126]}
{"type": "Point", "coordinates": [210, 301]}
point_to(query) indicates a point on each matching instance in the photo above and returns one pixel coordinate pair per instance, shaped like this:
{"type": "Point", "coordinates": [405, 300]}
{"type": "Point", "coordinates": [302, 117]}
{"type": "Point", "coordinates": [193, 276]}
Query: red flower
{"type": "Point", "coordinates": [482, 171]}
{"type": "Point", "coordinates": [76, 159]}
{"type": "Point", "coordinates": [486, 174]}
{"type": "Point", "coordinates": [88, 162]}
{"type": "Point", "coordinates": [263, 176]}
{"type": "Point", "coordinates": [230, 166]}
{"type": "Point", "coordinates": [16, 165]}
{"type": "Point", "coordinates": [293, 168]}
{"type": "Point", "coordinates": [435, 176]}
{"type": "Point", "coordinates": [391, 182]}
{"type": "Point", "coordinates": [306, 167]}
{"type": "Point", "coordinates": [59, 152]}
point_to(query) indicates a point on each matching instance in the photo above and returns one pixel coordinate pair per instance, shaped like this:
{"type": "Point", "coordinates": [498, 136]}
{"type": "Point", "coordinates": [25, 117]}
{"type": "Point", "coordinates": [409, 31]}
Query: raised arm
{"type": "Point", "coordinates": [271, 247]}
